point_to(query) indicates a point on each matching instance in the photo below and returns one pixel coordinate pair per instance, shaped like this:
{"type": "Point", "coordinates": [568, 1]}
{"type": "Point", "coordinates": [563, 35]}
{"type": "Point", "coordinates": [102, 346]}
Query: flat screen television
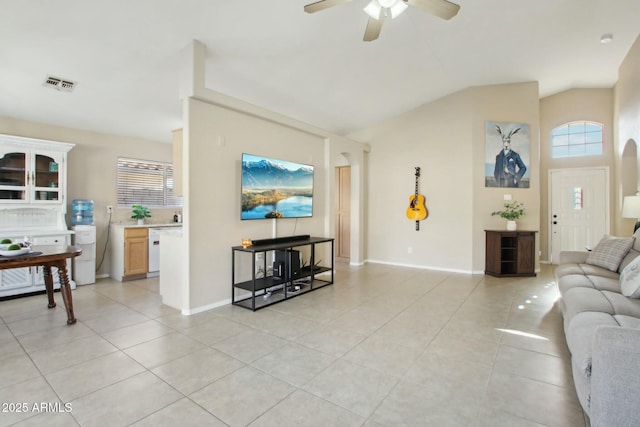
{"type": "Point", "coordinates": [273, 188]}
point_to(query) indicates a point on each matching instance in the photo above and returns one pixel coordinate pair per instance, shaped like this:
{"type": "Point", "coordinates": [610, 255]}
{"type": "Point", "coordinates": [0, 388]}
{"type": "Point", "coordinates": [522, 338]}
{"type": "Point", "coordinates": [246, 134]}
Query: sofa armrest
{"type": "Point", "coordinates": [615, 377]}
{"type": "Point", "coordinates": [576, 257]}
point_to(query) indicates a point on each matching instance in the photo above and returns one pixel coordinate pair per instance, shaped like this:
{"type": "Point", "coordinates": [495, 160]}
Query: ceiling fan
{"type": "Point", "coordinates": [380, 9]}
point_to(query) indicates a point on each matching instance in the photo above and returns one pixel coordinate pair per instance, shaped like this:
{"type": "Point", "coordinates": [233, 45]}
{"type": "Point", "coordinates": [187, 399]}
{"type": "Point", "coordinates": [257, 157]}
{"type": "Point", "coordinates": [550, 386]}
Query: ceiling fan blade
{"type": "Point", "coordinates": [322, 5]}
{"type": "Point", "coordinates": [373, 29]}
{"type": "Point", "coordinates": [441, 8]}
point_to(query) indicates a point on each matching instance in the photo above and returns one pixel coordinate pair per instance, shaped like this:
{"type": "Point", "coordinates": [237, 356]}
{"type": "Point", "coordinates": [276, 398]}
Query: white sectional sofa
{"type": "Point", "coordinates": [601, 310]}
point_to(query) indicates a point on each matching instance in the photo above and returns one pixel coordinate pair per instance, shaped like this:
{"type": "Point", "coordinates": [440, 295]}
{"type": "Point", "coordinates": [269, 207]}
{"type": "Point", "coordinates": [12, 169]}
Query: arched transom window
{"type": "Point", "coordinates": [574, 139]}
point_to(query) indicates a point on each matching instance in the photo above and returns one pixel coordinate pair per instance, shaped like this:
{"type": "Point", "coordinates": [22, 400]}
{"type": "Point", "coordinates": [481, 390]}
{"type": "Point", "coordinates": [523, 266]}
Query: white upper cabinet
{"type": "Point", "coordinates": [32, 171]}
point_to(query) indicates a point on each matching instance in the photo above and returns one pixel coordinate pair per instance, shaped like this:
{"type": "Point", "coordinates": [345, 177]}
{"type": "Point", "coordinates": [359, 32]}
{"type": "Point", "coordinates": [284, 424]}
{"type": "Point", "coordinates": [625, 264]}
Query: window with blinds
{"type": "Point", "coordinates": [147, 183]}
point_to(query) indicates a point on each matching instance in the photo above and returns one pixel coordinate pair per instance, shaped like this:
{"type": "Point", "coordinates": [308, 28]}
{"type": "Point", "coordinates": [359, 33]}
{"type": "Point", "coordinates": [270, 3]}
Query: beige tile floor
{"type": "Point", "coordinates": [383, 346]}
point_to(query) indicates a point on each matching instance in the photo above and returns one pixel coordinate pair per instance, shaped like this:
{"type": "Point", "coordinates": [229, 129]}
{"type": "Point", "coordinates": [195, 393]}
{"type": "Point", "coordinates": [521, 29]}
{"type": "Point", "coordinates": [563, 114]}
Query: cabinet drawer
{"type": "Point", "coordinates": [49, 240]}
{"type": "Point", "coordinates": [135, 232]}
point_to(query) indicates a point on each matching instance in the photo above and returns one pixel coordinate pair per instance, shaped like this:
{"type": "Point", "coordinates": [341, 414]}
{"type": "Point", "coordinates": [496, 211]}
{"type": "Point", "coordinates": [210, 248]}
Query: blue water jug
{"type": "Point", "coordinates": [82, 212]}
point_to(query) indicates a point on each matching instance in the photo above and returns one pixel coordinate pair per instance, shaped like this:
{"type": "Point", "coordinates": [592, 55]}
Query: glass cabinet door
{"type": "Point", "coordinates": [13, 175]}
{"type": "Point", "coordinates": [46, 177]}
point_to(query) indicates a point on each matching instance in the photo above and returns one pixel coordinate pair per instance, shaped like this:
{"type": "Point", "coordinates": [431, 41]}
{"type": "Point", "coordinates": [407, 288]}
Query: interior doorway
{"type": "Point", "coordinates": [579, 209]}
{"type": "Point", "coordinates": [343, 213]}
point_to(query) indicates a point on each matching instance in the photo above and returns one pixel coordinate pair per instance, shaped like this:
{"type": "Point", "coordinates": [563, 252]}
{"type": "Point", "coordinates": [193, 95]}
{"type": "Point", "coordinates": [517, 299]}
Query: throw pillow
{"type": "Point", "coordinates": [630, 279]}
{"type": "Point", "coordinates": [609, 252]}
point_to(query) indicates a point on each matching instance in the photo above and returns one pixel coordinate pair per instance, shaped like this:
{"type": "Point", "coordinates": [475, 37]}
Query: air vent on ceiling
{"type": "Point", "coordinates": [59, 84]}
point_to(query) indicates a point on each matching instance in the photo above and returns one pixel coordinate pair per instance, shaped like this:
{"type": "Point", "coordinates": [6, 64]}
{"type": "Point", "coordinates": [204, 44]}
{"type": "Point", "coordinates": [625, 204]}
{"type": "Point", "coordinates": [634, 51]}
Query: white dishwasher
{"type": "Point", "coordinates": [154, 250]}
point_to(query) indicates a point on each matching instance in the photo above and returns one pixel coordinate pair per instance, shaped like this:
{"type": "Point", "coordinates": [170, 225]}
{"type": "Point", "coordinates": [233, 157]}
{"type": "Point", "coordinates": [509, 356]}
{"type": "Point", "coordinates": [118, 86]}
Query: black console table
{"type": "Point", "coordinates": [289, 276]}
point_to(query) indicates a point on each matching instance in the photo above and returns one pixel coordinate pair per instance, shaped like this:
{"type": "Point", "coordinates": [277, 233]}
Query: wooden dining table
{"type": "Point", "coordinates": [47, 256]}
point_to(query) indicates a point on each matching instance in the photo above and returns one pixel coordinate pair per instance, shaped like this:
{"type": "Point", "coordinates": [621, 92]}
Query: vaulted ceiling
{"type": "Point", "coordinates": [125, 57]}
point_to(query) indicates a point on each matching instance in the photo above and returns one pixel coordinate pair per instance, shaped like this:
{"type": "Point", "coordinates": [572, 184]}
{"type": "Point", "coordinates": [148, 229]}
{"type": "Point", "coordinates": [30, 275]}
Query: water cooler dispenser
{"type": "Point", "coordinates": [84, 266]}
{"type": "Point", "coordinates": [82, 212]}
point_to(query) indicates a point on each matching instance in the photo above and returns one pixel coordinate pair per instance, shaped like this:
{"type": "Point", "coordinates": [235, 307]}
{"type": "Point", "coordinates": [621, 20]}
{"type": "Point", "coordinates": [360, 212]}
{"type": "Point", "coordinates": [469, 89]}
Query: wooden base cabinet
{"type": "Point", "coordinates": [136, 253]}
{"type": "Point", "coordinates": [510, 253]}
{"type": "Point", "coordinates": [129, 253]}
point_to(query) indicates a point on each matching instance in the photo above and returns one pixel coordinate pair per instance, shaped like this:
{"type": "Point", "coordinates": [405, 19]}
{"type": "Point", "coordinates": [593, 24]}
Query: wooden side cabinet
{"type": "Point", "coordinates": [510, 253]}
{"type": "Point", "coordinates": [136, 253]}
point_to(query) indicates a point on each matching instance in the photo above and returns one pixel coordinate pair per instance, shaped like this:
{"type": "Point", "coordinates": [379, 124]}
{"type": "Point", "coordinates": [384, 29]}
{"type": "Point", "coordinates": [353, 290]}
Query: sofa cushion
{"type": "Point", "coordinates": [630, 279]}
{"type": "Point", "coordinates": [623, 305]}
{"type": "Point", "coordinates": [567, 269]}
{"type": "Point", "coordinates": [636, 243]}
{"type": "Point", "coordinates": [572, 257]}
{"type": "Point", "coordinates": [573, 281]}
{"type": "Point", "coordinates": [579, 300]}
{"type": "Point", "coordinates": [630, 256]}
{"type": "Point", "coordinates": [586, 269]}
{"type": "Point", "coordinates": [605, 283]}
{"type": "Point", "coordinates": [609, 252]}
{"type": "Point", "coordinates": [580, 337]}
{"type": "Point", "coordinates": [627, 321]}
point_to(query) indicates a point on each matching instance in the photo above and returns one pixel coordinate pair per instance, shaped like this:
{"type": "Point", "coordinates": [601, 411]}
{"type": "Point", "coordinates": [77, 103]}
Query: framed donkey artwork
{"type": "Point", "coordinates": [507, 154]}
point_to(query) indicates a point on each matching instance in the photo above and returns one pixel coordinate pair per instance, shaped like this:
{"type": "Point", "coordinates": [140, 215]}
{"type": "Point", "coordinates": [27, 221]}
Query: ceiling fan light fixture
{"type": "Point", "coordinates": [376, 7]}
{"type": "Point", "coordinates": [397, 8]}
{"type": "Point", "coordinates": [373, 9]}
{"type": "Point", "coordinates": [387, 3]}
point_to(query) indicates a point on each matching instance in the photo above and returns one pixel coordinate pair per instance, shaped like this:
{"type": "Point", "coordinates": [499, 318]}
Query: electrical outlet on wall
{"type": "Point", "coordinates": [109, 209]}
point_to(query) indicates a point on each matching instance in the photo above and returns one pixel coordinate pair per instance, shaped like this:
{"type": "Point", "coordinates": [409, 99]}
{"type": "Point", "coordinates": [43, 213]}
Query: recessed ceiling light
{"type": "Point", "coordinates": [606, 38]}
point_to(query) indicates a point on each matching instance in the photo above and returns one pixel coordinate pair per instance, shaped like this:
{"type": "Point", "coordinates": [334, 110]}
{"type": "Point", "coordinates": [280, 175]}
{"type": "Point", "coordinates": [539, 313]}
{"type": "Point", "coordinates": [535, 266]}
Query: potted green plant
{"type": "Point", "coordinates": [511, 212]}
{"type": "Point", "coordinates": [140, 213]}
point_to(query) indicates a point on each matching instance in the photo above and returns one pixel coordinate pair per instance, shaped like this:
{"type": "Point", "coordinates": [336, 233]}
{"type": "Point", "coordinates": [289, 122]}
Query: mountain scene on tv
{"type": "Point", "coordinates": [275, 188]}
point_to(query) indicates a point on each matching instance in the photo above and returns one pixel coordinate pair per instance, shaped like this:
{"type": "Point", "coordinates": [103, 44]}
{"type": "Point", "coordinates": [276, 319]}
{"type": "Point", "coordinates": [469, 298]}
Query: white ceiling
{"type": "Point", "coordinates": [125, 56]}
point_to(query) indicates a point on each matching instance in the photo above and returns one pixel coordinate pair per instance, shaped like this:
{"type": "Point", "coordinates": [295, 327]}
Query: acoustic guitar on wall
{"type": "Point", "coordinates": [417, 211]}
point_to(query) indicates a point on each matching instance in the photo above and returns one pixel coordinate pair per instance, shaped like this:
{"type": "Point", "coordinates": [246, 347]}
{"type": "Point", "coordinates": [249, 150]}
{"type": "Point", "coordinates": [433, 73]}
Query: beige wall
{"type": "Point", "coordinates": [517, 103]}
{"type": "Point", "coordinates": [572, 105]}
{"type": "Point", "coordinates": [92, 170]}
{"type": "Point", "coordinates": [446, 139]}
{"type": "Point", "coordinates": [215, 139]}
{"type": "Point", "coordinates": [435, 138]}
{"type": "Point", "coordinates": [627, 116]}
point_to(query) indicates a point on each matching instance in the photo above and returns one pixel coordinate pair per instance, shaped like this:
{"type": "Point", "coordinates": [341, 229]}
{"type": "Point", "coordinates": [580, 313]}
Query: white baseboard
{"type": "Point", "coordinates": [189, 312]}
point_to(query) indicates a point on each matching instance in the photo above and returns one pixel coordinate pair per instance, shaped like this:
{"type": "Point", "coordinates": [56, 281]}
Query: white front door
{"type": "Point", "coordinates": [579, 208]}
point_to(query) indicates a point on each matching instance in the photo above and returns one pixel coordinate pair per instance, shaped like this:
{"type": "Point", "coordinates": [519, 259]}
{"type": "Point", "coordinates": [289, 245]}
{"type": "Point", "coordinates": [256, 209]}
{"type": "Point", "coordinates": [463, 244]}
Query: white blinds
{"type": "Point", "coordinates": [142, 182]}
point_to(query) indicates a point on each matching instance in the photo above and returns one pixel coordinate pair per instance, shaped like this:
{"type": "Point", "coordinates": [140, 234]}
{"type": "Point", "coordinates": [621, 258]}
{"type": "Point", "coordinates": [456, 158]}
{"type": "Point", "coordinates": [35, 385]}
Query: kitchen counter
{"type": "Point", "coordinates": [135, 249]}
{"type": "Point", "coordinates": [148, 225]}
